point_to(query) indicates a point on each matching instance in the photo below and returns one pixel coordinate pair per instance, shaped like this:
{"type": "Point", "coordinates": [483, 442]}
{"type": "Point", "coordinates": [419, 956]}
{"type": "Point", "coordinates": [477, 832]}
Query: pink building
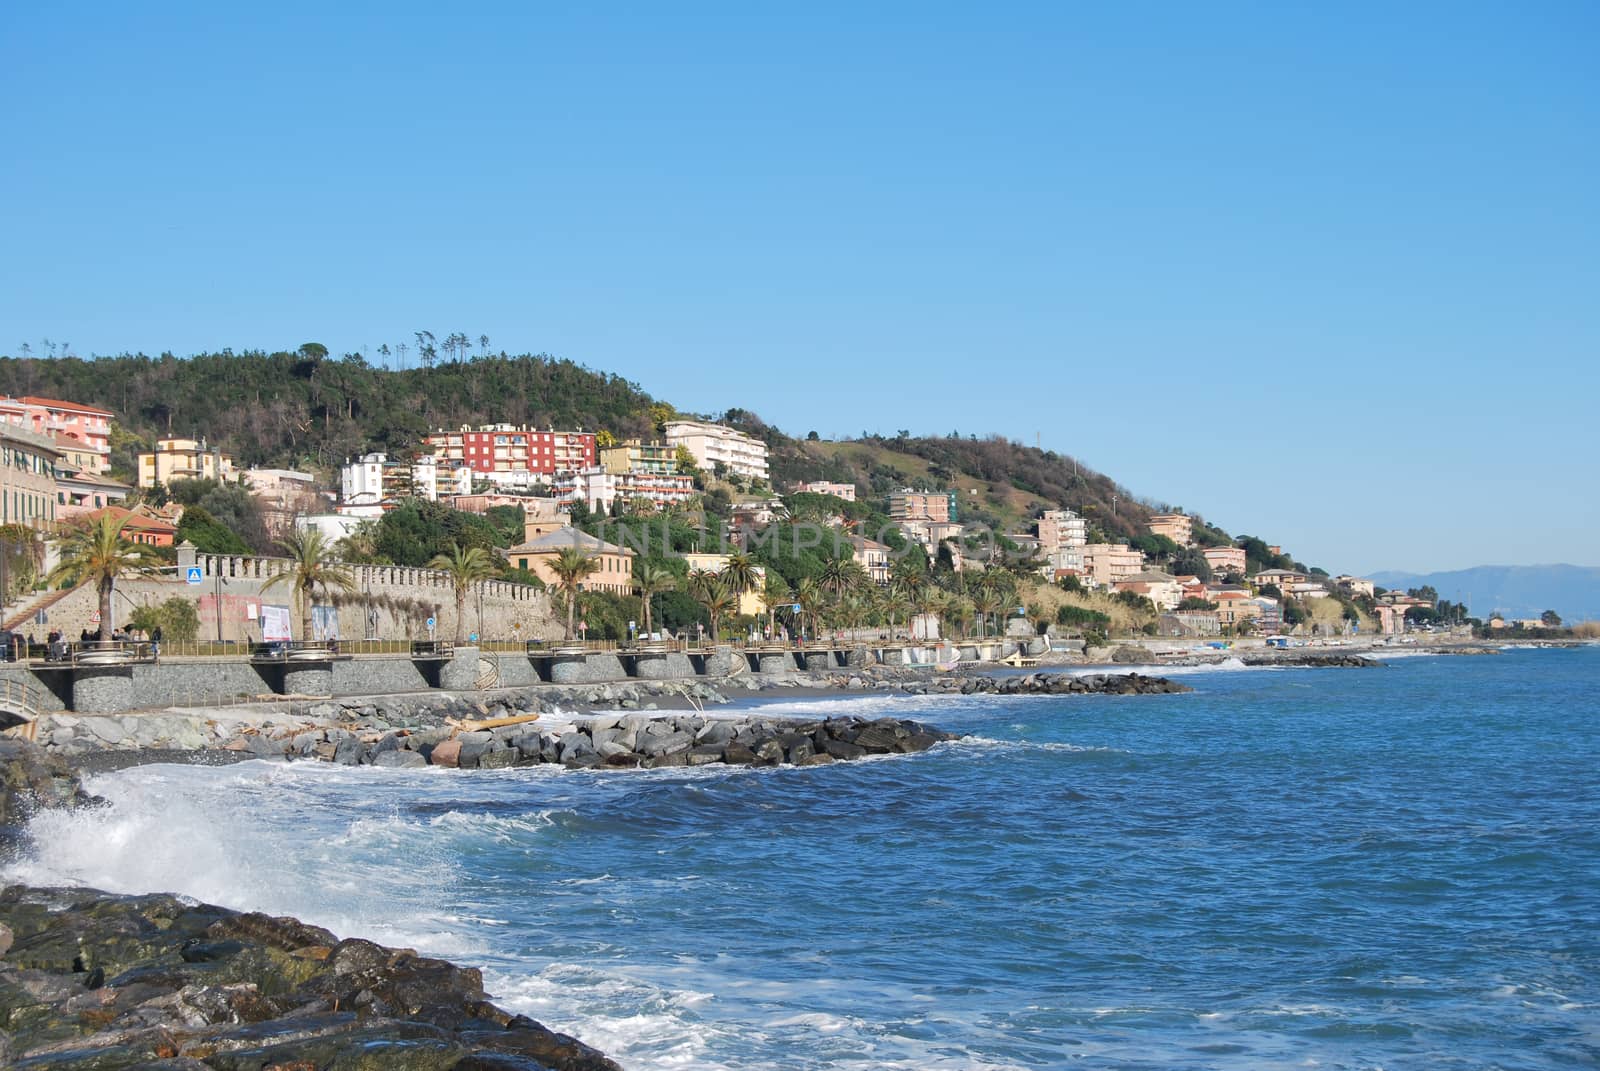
{"type": "Point", "coordinates": [82, 431]}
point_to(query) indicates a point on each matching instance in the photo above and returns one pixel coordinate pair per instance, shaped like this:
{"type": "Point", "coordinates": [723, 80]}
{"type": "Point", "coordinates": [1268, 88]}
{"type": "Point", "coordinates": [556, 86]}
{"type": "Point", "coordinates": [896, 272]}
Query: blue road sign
{"type": "Point", "coordinates": [431, 623]}
{"type": "Point", "coordinates": [194, 576]}
{"type": "Point", "coordinates": [472, 637]}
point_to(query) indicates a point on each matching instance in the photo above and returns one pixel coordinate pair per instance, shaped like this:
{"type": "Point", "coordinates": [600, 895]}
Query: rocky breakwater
{"type": "Point", "coordinates": [1315, 660]}
{"type": "Point", "coordinates": [635, 740]}
{"type": "Point", "coordinates": [1037, 684]}
{"type": "Point", "coordinates": [90, 980]}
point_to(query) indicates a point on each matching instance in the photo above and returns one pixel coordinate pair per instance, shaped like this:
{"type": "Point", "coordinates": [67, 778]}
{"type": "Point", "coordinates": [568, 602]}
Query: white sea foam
{"type": "Point", "coordinates": [981, 743]}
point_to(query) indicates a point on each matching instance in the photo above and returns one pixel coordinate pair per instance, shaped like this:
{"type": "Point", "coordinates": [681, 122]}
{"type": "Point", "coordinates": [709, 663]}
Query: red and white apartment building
{"type": "Point", "coordinates": [508, 450]}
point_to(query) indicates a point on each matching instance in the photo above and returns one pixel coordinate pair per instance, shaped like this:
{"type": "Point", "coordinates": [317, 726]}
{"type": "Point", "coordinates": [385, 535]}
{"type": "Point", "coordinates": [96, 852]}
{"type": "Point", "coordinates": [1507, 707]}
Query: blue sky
{"type": "Point", "coordinates": [1327, 275]}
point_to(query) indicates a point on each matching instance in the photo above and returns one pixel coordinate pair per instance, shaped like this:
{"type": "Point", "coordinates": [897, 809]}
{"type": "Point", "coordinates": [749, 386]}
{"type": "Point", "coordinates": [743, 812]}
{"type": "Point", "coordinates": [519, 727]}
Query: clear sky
{"type": "Point", "coordinates": [1329, 274]}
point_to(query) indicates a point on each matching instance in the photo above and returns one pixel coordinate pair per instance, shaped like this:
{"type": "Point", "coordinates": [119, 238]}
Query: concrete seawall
{"type": "Point", "coordinates": [27, 690]}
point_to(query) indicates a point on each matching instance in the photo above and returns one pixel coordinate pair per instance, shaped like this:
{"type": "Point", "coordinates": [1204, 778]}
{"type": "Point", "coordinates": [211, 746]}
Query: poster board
{"type": "Point", "coordinates": [275, 624]}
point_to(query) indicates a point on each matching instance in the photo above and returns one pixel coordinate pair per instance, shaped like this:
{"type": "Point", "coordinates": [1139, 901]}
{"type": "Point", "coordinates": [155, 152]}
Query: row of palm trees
{"type": "Point", "coordinates": [842, 595]}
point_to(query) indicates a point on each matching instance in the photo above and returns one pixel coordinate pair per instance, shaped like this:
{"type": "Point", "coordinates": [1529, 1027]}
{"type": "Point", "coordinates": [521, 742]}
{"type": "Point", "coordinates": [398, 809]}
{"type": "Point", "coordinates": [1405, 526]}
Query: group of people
{"type": "Point", "coordinates": [56, 641]}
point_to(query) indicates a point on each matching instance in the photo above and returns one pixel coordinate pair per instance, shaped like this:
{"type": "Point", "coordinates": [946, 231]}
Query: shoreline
{"type": "Point", "coordinates": [219, 735]}
{"type": "Point", "coordinates": [212, 978]}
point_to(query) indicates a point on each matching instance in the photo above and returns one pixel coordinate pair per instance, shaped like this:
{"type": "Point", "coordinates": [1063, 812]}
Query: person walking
{"type": "Point", "coordinates": [155, 643]}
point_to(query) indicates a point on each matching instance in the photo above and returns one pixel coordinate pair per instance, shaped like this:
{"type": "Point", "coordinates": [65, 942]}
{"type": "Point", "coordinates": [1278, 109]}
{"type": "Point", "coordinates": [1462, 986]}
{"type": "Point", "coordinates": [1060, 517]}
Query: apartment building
{"type": "Point", "coordinates": [83, 432]}
{"type": "Point", "coordinates": [1269, 614]}
{"type": "Point", "coordinates": [658, 459]}
{"type": "Point", "coordinates": [375, 478]}
{"type": "Point", "coordinates": [1355, 585]}
{"type": "Point", "coordinates": [1236, 607]}
{"type": "Point", "coordinates": [185, 459]}
{"type": "Point", "coordinates": [846, 491]}
{"type": "Point", "coordinates": [1106, 563]}
{"type": "Point", "coordinates": [28, 491]}
{"type": "Point", "coordinates": [78, 493]}
{"type": "Point", "coordinates": [499, 449]}
{"type": "Point", "coordinates": [283, 494]}
{"type": "Point", "coordinates": [930, 533]}
{"type": "Point", "coordinates": [598, 488]}
{"type": "Point", "coordinates": [872, 556]}
{"type": "Point", "coordinates": [1062, 537]}
{"type": "Point", "coordinates": [1162, 589]}
{"type": "Point", "coordinates": [1177, 527]}
{"type": "Point", "coordinates": [1225, 560]}
{"type": "Point", "coordinates": [714, 444]}
{"type": "Point", "coordinates": [909, 505]}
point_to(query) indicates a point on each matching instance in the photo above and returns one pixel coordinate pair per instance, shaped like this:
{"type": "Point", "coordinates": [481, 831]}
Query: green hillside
{"type": "Point", "coordinates": [307, 409]}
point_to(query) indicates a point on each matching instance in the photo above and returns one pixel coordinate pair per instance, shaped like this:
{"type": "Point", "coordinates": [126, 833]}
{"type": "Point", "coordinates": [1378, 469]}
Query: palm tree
{"type": "Point", "coordinates": [837, 574]}
{"type": "Point", "coordinates": [570, 567]}
{"type": "Point", "coordinates": [894, 601]}
{"type": "Point", "coordinates": [741, 573]}
{"type": "Point", "coordinates": [313, 569]}
{"type": "Point", "coordinates": [909, 577]}
{"type": "Point", "coordinates": [718, 599]}
{"type": "Point", "coordinates": [97, 552]}
{"type": "Point", "coordinates": [700, 583]}
{"type": "Point", "coordinates": [808, 593]}
{"type": "Point", "coordinates": [985, 601]}
{"type": "Point", "coordinates": [649, 580]}
{"type": "Point", "coordinates": [775, 593]}
{"type": "Point", "coordinates": [467, 566]}
{"type": "Point", "coordinates": [360, 544]}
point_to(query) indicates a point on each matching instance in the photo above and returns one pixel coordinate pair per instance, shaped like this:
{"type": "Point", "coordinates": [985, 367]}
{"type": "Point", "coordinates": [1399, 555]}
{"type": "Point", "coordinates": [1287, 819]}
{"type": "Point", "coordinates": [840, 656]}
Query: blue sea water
{"type": "Point", "coordinates": [1384, 868]}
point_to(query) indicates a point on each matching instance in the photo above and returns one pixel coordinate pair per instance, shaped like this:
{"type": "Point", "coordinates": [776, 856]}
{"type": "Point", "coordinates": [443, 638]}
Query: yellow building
{"type": "Point", "coordinates": [184, 459]}
{"type": "Point", "coordinates": [750, 602]}
{"type": "Point", "coordinates": [615, 564]}
{"type": "Point", "coordinates": [658, 459]}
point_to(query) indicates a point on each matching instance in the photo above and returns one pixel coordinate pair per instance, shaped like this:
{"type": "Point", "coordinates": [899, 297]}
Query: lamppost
{"type": "Point", "coordinates": [217, 599]}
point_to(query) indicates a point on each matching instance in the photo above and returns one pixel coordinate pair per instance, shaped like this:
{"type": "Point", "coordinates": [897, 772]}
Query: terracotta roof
{"type": "Point", "coordinates": [563, 538]}
{"type": "Point", "coordinates": [56, 403]}
{"type": "Point", "coordinates": [129, 519]}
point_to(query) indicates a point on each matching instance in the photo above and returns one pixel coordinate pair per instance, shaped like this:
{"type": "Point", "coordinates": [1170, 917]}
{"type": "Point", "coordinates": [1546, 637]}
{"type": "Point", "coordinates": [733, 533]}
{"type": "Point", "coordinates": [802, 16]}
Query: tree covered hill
{"type": "Point", "coordinates": [306, 408]}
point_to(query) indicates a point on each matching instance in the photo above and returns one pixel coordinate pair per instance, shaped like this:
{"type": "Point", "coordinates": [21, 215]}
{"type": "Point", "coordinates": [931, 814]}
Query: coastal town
{"type": "Point", "coordinates": [579, 535]}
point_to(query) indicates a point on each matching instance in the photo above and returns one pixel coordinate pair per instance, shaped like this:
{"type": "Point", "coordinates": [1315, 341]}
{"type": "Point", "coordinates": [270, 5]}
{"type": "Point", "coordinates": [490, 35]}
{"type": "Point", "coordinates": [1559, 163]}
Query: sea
{"type": "Point", "coordinates": [1287, 868]}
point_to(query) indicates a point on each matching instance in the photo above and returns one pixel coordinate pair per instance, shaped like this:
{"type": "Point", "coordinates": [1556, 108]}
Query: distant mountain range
{"type": "Point", "coordinates": [1573, 591]}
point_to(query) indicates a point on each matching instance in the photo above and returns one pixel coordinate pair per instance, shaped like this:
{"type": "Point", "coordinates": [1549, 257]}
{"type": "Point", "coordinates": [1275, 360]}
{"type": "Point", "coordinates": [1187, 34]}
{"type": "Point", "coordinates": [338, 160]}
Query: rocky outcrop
{"type": "Point", "coordinates": [89, 980]}
{"type": "Point", "coordinates": [95, 981]}
{"type": "Point", "coordinates": [30, 779]}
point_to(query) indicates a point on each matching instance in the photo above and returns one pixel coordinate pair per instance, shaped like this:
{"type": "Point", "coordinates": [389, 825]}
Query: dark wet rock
{"type": "Point", "coordinates": [32, 778]}
{"type": "Point", "coordinates": [96, 981]}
